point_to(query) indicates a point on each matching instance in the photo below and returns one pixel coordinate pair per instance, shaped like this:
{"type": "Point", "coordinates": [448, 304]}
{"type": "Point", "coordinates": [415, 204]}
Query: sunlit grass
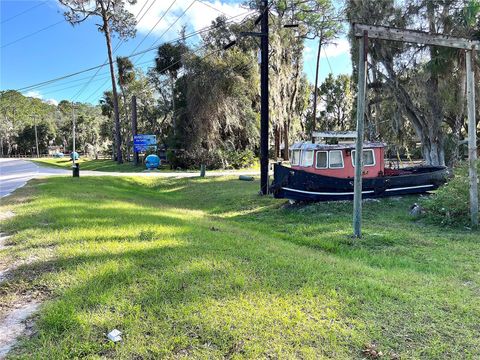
{"type": "Point", "coordinates": [90, 164]}
{"type": "Point", "coordinates": [205, 268]}
{"type": "Point", "coordinates": [108, 165]}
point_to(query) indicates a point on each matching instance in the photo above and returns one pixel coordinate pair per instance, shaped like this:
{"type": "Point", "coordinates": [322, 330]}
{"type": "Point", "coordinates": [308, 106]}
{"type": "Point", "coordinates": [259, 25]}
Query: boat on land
{"type": "Point", "coordinates": [325, 172]}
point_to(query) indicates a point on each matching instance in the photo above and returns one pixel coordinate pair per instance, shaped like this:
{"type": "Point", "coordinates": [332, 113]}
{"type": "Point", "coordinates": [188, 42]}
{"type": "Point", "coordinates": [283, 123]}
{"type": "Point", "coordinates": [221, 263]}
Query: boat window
{"type": "Point", "coordinates": [335, 159]}
{"type": "Point", "coordinates": [368, 157]}
{"type": "Point", "coordinates": [295, 157]}
{"type": "Point", "coordinates": [307, 158]}
{"type": "Point", "coordinates": [322, 160]}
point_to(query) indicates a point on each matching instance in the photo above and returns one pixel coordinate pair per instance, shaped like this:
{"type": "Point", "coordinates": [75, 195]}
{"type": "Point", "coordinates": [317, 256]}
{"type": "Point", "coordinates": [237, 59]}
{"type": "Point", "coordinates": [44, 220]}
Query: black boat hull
{"type": "Point", "coordinates": [301, 185]}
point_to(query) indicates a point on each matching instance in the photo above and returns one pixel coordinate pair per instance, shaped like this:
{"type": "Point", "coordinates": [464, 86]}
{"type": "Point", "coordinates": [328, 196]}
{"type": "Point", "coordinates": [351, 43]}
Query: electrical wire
{"type": "Point", "coordinates": [114, 50]}
{"type": "Point", "coordinates": [328, 61]}
{"type": "Point", "coordinates": [177, 40]}
{"type": "Point", "coordinates": [169, 27]}
{"type": "Point", "coordinates": [206, 3]}
{"type": "Point", "coordinates": [48, 82]}
{"type": "Point", "coordinates": [31, 34]}
{"type": "Point", "coordinates": [154, 26]}
{"type": "Point", "coordinates": [23, 12]}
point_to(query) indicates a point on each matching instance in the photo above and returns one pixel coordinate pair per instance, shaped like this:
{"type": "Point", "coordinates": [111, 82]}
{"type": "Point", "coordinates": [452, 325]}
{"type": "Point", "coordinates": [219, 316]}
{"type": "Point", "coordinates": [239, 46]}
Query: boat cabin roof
{"type": "Point", "coordinates": [307, 145]}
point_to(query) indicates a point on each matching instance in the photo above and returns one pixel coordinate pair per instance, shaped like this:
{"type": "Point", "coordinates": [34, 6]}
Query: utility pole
{"type": "Point", "coordinates": [134, 128]}
{"type": "Point", "coordinates": [36, 134]}
{"type": "Point", "coordinates": [264, 98]}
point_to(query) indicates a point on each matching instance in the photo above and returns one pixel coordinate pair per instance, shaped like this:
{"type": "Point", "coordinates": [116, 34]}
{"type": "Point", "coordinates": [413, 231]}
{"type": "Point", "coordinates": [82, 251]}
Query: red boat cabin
{"type": "Point", "coordinates": [337, 160]}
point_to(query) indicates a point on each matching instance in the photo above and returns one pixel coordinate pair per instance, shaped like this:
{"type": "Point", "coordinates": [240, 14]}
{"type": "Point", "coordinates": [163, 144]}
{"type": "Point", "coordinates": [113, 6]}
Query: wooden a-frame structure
{"type": "Point", "coordinates": [362, 32]}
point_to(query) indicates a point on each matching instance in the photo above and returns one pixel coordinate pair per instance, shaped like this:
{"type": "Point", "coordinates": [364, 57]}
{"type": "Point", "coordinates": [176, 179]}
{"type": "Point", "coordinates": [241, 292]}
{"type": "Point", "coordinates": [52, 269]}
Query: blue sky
{"type": "Point", "coordinates": [61, 49]}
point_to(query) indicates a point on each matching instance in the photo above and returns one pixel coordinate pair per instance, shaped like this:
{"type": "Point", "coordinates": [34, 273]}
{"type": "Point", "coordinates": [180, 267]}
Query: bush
{"type": "Point", "coordinates": [239, 159]}
{"type": "Point", "coordinates": [192, 160]}
{"type": "Point", "coordinates": [217, 159]}
{"type": "Point", "coordinates": [450, 205]}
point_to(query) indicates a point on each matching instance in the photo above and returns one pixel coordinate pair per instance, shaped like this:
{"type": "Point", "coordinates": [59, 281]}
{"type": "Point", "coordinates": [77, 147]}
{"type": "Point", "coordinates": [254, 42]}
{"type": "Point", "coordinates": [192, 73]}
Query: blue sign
{"type": "Point", "coordinates": [142, 143]}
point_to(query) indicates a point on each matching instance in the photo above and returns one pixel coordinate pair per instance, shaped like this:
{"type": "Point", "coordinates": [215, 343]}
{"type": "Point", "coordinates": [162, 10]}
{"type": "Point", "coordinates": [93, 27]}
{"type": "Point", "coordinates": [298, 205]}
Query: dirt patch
{"type": "Point", "coordinates": [6, 215]}
{"type": "Point", "coordinates": [4, 274]}
{"type": "Point", "coordinates": [4, 241]}
{"type": "Point", "coordinates": [15, 317]}
{"type": "Point", "coordinates": [15, 324]}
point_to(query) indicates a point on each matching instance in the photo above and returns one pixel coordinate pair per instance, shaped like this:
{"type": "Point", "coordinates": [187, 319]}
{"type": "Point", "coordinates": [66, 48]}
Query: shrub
{"type": "Point", "coordinates": [184, 159]}
{"type": "Point", "coordinates": [450, 205]}
{"type": "Point", "coordinates": [238, 159]}
{"type": "Point", "coordinates": [217, 159]}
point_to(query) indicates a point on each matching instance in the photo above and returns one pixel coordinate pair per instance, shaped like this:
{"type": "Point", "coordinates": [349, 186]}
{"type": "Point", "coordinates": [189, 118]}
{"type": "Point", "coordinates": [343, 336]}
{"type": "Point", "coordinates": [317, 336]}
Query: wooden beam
{"type": "Point", "coordinates": [414, 36]}
{"type": "Point", "coordinates": [357, 182]}
{"type": "Point", "coordinates": [472, 139]}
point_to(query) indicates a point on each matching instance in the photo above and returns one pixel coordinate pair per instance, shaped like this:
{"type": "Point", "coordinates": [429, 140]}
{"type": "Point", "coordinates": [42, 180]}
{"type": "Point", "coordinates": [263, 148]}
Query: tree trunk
{"type": "Point", "coordinates": [174, 123]}
{"type": "Point", "coordinates": [127, 137]}
{"type": "Point", "coordinates": [276, 133]}
{"type": "Point", "coordinates": [118, 136]}
{"type": "Point", "coordinates": [285, 141]}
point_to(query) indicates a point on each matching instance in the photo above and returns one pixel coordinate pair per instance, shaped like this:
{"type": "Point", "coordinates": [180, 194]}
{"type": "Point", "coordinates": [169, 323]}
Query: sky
{"type": "Point", "coordinates": [37, 44]}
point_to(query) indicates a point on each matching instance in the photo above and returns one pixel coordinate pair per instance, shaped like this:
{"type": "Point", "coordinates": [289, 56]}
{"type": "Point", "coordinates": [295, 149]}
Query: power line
{"type": "Point", "coordinates": [114, 50]}
{"type": "Point", "coordinates": [328, 61]}
{"type": "Point", "coordinates": [23, 12]}
{"type": "Point", "coordinates": [171, 25]}
{"type": "Point", "coordinates": [180, 39]}
{"type": "Point", "coordinates": [31, 34]}
{"type": "Point", "coordinates": [206, 3]}
{"type": "Point", "coordinates": [200, 31]}
{"type": "Point", "coordinates": [154, 26]}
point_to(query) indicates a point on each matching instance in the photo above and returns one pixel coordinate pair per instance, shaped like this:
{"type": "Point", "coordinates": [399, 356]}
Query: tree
{"type": "Point", "coordinates": [126, 75]}
{"type": "Point", "coordinates": [418, 78]}
{"type": "Point", "coordinates": [169, 62]}
{"type": "Point", "coordinates": [336, 95]}
{"type": "Point", "coordinates": [17, 112]}
{"type": "Point", "coordinates": [106, 105]}
{"type": "Point", "coordinates": [116, 19]}
{"type": "Point", "coordinates": [318, 19]}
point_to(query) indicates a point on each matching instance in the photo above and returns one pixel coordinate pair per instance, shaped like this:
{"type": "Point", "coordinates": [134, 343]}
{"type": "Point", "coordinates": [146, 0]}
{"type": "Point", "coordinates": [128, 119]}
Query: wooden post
{"type": "Point", "coordinates": [134, 128]}
{"type": "Point", "coordinates": [472, 139]}
{"type": "Point", "coordinates": [357, 189]}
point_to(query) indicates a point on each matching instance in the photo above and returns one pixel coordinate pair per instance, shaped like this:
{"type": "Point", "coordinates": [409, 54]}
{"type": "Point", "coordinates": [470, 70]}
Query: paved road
{"type": "Point", "coordinates": [14, 173]}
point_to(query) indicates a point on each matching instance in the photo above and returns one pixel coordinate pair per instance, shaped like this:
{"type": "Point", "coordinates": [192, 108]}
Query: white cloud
{"type": "Point", "coordinates": [198, 16]}
{"type": "Point", "coordinates": [38, 95]}
{"type": "Point", "coordinates": [34, 94]}
{"type": "Point", "coordinates": [52, 102]}
{"type": "Point", "coordinates": [340, 47]}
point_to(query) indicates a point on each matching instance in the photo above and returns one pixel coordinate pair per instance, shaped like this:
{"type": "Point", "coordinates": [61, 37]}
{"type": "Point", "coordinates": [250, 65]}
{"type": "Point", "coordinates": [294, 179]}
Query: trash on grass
{"type": "Point", "coordinates": [115, 335]}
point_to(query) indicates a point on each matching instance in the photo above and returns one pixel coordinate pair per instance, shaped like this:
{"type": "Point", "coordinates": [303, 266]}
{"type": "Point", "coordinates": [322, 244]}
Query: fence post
{"type": "Point", "coordinates": [357, 188]}
{"type": "Point", "coordinates": [472, 139]}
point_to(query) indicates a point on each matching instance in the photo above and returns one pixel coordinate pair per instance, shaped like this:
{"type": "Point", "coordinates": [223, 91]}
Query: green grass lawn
{"type": "Point", "coordinates": [205, 268]}
{"type": "Point", "coordinates": [108, 165]}
{"type": "Point", "coordinates": [90, 164]}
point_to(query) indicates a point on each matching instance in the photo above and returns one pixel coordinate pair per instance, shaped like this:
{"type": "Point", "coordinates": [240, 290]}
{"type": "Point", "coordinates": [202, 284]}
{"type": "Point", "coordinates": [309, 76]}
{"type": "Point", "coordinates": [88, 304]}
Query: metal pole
{"type": "Point", "coordinates": [264, 100]}
{"type": "Point", "coordinates": [36, 135]}
{"type": "Point", "coordinates": [73, 134]}
{"type": "Point", "coordinates": [472, 139]}
{"type": "Point", "coordinates": [357, 195]}
{"type": "Point", "coordinates": [134, 128]}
